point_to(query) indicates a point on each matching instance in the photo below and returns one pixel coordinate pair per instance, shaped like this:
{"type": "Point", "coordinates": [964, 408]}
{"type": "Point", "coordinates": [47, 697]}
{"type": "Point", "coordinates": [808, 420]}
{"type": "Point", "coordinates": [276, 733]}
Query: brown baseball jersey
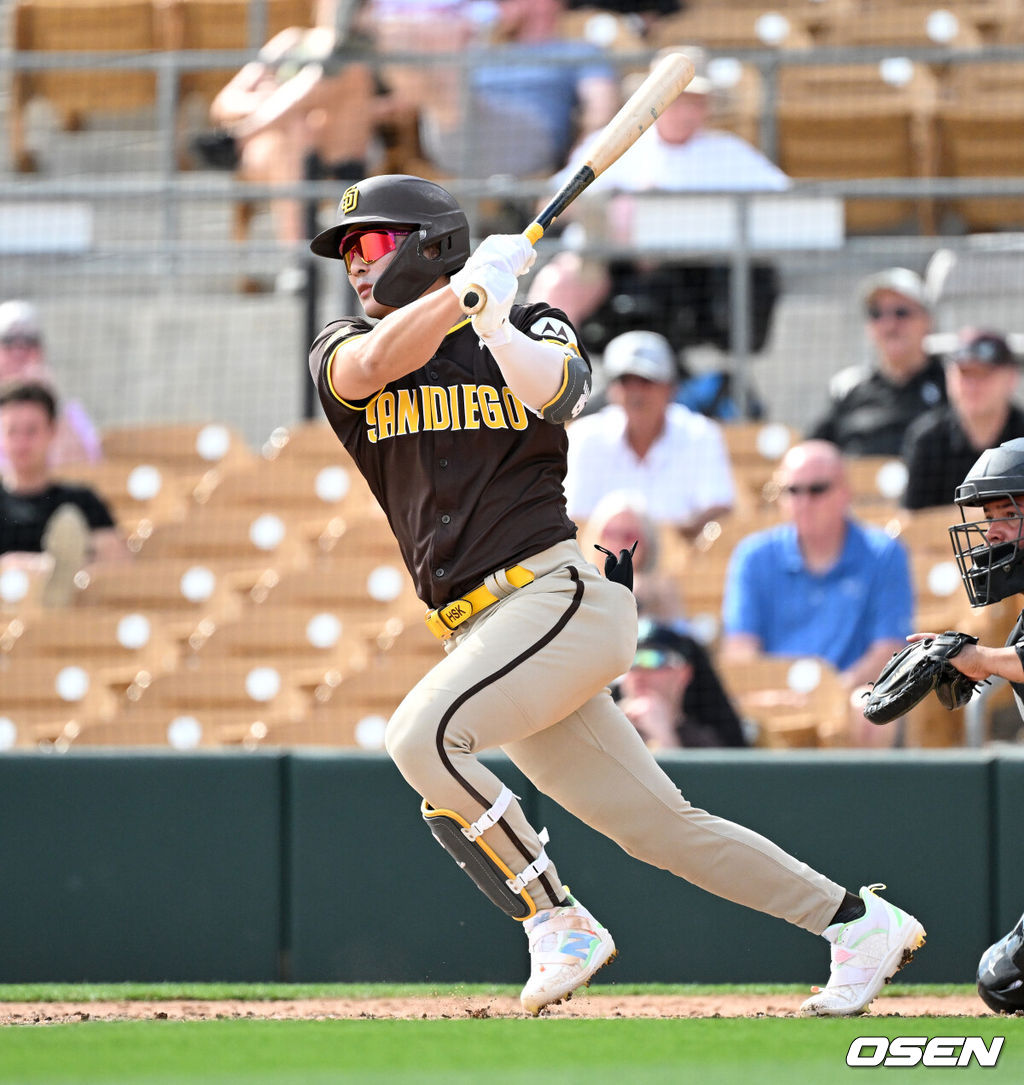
{"type": "Point", "coordinates": [453, 457]}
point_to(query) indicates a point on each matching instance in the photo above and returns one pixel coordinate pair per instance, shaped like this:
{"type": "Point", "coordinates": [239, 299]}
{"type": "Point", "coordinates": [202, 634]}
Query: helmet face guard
{"type": "Point", "coordinates": [990, 571]}
{"type": "Point", "coordinates": [401, 201]}
{"type": "Point", "coordinates": [1001, 973]}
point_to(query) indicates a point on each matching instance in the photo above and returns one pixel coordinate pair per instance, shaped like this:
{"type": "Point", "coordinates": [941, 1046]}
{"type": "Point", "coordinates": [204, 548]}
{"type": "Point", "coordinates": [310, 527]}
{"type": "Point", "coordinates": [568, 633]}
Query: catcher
{"type": "Point", "coordinates": [990, 555]}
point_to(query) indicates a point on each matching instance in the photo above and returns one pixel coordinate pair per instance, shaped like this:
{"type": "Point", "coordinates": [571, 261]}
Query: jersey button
{"type": "Point", "coordinates": [433, 374]}
{"type": "Point", "coordinates": [446, 519]}
{"type": "Point", "coordinates": [443, 463]}
{"type": "Point", "coordinates": [439, 572]}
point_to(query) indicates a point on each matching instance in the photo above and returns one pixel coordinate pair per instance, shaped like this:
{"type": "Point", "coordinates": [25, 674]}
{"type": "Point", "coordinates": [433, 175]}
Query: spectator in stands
{"type": "Point", "coordinates": [820, 583]}
{"type": "Point", "coordinates": [672, 695]}
{"type": "Point", "coordinates": [529, 92]}
{"type": "Point", "coordinates": [22, 357]}
{"type": "Point", "coordinates": [686, 301]}
{"type": "Point", "coordinates": [46, 525]}
{"type": "Point", "coordinates": [303, 109]}
{"type": "Point", "coordinates": [872, 406]}
{"type": "Point", "coordinates": [645, 443]}
{"type": "Point", "coordinates": [618, 520]}
{"type": "Point", "coordinates": [942, 445]}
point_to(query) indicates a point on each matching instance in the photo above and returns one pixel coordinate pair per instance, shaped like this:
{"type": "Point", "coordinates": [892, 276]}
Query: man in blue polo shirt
{"type": "Point", "coordinates": [820, 584]}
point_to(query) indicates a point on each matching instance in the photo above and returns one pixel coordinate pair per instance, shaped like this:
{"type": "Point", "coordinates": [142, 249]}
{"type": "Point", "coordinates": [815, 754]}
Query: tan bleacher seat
{"type": "Point", "coordinates": [980, 124]}
{"type": "Point", "coordinates": [43, 696]}
{"type": "Point", "coordinates": [755, 449]}
{"type": "Point", "coordinates": [118, 647]}
{"type": "Point", "coordinates": [861, 121]}
{"type": "Point", "coordinates": [812, 17]}
{"type": "Point", "coordinates": [251, 690]}
{"type": "Point", "coordinates": [876, 482]}
{"type": "Point", "coordinates": [606, 29]}
{"type": "Point", "coordinates": [795, 701]}
{"type": "Point", "coordinates": [139, 494]}
{"type": "Point", "coordinates": [177, 592]}
{"type": "Point", "coordinates": [310, 643]}
{"type": "Point", "coordinates": [221, 26]}
{"type": "Point", "coordinates": [903, 23]}
{"type": "Point", "coordinates": [308, 495]}
{"type": "Point", "coordinates": [726, 27]}
{"type": "Point", "coordinates": [247, 540]}
{"type": "Point", "coordinates": [164, 727]}
{"type": "Point", "coordinates": [101, 26]}
{"type": "Point", "coordinates": [189, 449]}
{"type": "Point", "coordinates": [366, 592]}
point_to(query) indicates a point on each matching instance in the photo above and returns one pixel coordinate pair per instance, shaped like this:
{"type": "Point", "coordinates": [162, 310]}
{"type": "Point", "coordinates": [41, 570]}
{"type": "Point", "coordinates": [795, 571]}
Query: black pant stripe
{"type": "Point", "coordinates": [482, 684]}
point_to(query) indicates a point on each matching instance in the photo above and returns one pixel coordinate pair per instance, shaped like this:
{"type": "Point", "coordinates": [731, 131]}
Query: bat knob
{"type": "Point", "coordinates": [472, 300]}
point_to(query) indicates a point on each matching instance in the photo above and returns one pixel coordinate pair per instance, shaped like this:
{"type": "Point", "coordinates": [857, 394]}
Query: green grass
{"type": "Point", "coordinates": [766, 1051]}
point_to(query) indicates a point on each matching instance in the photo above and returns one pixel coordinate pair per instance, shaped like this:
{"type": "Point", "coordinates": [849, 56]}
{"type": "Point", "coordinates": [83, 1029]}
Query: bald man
{"type": "Point", "coordinates": [819, 583]}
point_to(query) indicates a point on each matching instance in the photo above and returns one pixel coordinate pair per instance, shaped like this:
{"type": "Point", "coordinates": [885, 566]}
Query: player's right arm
{"type": "Point", "coordinates": [400, 343]}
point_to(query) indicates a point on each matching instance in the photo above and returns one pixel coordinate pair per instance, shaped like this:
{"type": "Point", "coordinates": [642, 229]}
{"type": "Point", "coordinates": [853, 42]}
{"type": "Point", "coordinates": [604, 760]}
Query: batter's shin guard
{"type": "Point", "coordinates": [462, 840]}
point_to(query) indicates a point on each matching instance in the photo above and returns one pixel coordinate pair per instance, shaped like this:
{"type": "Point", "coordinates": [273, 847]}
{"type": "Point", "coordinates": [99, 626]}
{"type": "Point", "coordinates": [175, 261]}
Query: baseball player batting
{"type": "Point", "coordinates": [458, 424]}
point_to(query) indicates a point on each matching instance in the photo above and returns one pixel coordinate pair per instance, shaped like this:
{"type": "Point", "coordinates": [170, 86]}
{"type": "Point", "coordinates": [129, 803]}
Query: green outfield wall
{"type": "Point", "coordinates": [316, 866]}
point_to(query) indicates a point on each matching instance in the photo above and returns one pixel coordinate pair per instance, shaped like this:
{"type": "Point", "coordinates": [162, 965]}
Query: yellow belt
{"type": "Point", "coordinates": [444, 620]}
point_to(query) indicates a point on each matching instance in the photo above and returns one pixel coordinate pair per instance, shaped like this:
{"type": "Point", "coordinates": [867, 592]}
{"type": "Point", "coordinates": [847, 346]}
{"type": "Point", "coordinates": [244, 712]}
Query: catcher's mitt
{"type": "Point", "coordinates": [916, 670]}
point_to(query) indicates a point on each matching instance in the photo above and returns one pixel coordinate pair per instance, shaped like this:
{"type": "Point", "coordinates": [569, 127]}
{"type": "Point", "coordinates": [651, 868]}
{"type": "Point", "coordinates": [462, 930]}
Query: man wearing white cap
{"type": "Point", "coordinates": [871, 407]}
{"type": "Point", "coordinates": [678, 153]}
{"type": "Point", "coordinates": [645, 443]}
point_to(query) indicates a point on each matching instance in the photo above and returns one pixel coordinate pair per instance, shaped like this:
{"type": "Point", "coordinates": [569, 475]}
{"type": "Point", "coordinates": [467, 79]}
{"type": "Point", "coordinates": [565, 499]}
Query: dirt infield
{"type": "Point", "coordinates": [448, 1007]}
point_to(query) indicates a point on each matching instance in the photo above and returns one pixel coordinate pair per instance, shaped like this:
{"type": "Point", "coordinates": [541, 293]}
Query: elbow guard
{"type": "Point", "coordinates": [573, 393]}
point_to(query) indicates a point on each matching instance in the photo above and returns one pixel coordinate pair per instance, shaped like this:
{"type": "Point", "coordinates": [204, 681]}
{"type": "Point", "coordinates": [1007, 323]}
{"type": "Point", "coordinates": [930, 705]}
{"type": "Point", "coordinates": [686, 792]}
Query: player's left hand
{"type": "Point", "coordinates": [508, 252]}
{"type": "Point", "coordinates": [499, 289]}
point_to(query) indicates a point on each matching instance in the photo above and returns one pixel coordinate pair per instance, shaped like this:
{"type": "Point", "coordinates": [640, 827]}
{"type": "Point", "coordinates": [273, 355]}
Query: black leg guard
{"type": "Point", "coordinates": [463, 843]}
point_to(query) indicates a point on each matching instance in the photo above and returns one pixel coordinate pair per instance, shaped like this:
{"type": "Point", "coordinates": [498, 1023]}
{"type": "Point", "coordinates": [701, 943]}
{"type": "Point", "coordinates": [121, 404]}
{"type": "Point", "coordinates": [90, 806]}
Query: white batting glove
{"type": "Point", "coordinates": [510, 252]}
{"type": "Point", "coordinates": [499, 288]}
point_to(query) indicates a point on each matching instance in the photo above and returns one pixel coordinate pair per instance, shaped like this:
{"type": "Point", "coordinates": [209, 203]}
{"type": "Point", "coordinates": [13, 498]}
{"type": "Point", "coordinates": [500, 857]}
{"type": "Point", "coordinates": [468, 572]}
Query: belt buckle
{"type": "Point", "coordinates": [443, 621]}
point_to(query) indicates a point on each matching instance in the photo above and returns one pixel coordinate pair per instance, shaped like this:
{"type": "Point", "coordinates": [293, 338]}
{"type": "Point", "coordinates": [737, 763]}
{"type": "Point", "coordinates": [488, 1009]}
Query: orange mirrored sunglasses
{"type": "Point", "coordinates": [370, 245]}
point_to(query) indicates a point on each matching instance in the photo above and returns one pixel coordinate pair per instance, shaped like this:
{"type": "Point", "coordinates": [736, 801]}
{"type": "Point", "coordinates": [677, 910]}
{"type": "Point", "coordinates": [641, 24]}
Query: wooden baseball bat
{"type": "Point", "coordinates": [664, 83]}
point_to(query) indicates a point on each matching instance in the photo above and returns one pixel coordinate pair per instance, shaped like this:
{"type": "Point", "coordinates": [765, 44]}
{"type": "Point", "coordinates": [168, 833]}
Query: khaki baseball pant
{"type": "Point", "coordinates": [530, 675]}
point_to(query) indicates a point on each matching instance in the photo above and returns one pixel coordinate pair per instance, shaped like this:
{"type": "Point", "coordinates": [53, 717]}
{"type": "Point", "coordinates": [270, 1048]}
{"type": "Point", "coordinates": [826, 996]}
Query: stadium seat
{"type": "Point", "coordinates": [139, 494]}
{"type": "Point", "coordinates": [794, 701]}
{"type": "Point", "coordinates": [861, 121]}
{"type": "Point", "coordinates": [117, 646]}
{"type": "Point", "coordinates": [904, 23]}
{"type": "Point", "coordinates": [189, 449]}
{"type": "Point", "coordinates": [44, 695]}
{"type": "Point", "coordinates": [221, 26]}
{"type": "Point", "coordinates": [101, 26]}
{"type": "Point", "coordinates": [179, 593]}
{"type": "Point", "coordinates": [719, 27]}
{"type": "Point", "coordinates": [980, 124]}
{"type": "Point", "coordinates": [313, 442]}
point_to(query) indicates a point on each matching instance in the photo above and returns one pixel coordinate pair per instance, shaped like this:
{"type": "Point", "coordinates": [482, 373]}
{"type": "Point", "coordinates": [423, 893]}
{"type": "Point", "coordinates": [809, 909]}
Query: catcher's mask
{"type": "Point", "coordinates": [426, 210]}
{"type": "Point", "coordinates": [991, 570]}
{"type": "Point", "coordinates": [1001, 972]}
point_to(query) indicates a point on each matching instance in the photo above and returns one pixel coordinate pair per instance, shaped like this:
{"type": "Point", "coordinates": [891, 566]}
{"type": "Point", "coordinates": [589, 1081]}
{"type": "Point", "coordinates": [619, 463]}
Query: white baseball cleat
{"type": "Point", "coordinates": [567, 946]}
{"type": "Point", "coordinates": [866, 954]}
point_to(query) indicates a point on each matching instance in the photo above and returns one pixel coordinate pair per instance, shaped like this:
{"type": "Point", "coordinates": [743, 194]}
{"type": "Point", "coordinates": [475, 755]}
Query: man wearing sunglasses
{"type": "Point", "coordinates": [820, 583]}
{"type": "Point", "coordinates": [871, 406]}
{"type": "Point", "coordinates": [457, 424]}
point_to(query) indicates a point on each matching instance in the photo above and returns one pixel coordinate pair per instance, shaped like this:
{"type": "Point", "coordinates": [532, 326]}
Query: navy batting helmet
{"type": "Point", "coordinates": [426, 209]}
{"type": "Point", "coordinates": [990, 571]}
{"type": "Point", "coordinates": [1001, 972]}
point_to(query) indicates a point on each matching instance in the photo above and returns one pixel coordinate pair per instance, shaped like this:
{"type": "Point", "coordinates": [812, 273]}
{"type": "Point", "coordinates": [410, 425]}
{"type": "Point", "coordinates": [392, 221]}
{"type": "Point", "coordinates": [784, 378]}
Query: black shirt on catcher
{"type": "Point", "coordinates": [23, 517]}
{"type": "Point", "coordinates": [469, 479]}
